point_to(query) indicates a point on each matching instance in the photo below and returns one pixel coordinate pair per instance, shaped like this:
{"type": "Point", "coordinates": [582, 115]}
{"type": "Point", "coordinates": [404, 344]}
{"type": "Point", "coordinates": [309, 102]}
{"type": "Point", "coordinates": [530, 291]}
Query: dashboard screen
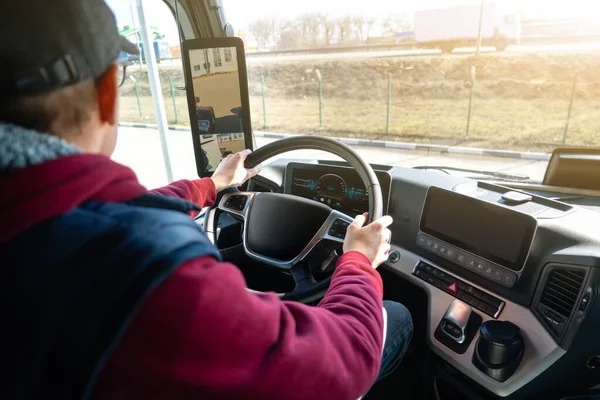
{"type": "Point", "coordinates": [487, 230]}
{"type": "Point", "coordinates": [341, 188]}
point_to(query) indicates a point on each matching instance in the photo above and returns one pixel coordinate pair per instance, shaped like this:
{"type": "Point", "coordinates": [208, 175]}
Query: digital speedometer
{"type": "Point", "coordinates": [332, 185]}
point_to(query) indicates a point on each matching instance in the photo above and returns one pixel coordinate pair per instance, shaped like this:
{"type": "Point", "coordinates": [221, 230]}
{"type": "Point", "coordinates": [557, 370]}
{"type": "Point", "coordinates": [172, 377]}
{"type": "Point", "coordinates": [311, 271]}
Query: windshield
{"type": "Point", "coordinates": [491, 86]}
{"type": "Point", "coordinates": [409, 73]}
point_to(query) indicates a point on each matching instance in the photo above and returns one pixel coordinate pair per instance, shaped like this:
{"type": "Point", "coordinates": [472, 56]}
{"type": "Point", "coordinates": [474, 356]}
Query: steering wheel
{"type": "Point", "coordinates": [292, 233]}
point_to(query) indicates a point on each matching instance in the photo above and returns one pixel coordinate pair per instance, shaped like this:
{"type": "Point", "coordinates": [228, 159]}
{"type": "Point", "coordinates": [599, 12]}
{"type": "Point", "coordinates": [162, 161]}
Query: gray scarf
{"type": "Point", "coordinates": [20, 147]}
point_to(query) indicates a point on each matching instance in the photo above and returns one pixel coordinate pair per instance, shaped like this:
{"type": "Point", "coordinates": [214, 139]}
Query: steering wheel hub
{"type": "Point", "coordinates": [281, 226]}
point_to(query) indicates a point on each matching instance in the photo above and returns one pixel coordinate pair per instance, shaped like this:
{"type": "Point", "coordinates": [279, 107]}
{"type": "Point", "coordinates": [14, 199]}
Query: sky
{"type": "Point", "coordinates": [240, 12]}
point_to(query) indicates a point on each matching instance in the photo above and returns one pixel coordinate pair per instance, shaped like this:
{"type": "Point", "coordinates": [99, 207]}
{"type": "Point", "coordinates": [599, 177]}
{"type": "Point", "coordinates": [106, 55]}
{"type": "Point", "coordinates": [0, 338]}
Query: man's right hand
{"type": "Point", "coordinates": [371, 240]}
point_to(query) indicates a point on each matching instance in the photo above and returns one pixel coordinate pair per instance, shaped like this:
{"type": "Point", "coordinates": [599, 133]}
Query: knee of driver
{"type": "Point", "coordinates": [398, 318]}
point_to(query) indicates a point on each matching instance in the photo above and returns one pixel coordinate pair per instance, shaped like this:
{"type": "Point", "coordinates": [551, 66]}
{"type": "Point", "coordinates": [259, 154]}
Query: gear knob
{"type": "Point", "coordinates": [454, 323]}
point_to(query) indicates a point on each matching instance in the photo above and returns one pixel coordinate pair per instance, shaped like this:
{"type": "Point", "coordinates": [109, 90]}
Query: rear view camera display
{"type": "Point", "coordinates": [218, 103]}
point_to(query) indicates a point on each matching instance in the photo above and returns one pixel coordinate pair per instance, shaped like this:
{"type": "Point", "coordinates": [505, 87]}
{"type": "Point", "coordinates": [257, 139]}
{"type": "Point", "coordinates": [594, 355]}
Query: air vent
{"type": "Point", "coordinates": [562, 290]}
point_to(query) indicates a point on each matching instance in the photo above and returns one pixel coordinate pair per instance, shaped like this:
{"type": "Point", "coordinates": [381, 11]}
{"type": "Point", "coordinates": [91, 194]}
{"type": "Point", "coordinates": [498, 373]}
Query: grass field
{"type": "Point", "coordinates": [516, 124]}
{"type": "Point", "coordinates": [520, 102]}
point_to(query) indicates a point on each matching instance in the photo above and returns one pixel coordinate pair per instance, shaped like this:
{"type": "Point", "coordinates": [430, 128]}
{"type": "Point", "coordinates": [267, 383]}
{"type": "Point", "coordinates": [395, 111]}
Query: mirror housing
{"type": "Point", "coordinates": [216, 83]}
{"type": "Point", "coordinates": [575, 168]}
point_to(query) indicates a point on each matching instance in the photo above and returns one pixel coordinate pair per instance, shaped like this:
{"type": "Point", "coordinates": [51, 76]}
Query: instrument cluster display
{"type": "Point", "coordinates": [340, 188]}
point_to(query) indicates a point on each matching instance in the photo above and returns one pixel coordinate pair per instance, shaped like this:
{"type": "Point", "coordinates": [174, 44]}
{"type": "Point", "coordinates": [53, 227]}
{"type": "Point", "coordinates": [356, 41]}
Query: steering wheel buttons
{"type": "Point", "coordinates": [236, 203]}
{"type": "Point", "coordinates": [338, 228]}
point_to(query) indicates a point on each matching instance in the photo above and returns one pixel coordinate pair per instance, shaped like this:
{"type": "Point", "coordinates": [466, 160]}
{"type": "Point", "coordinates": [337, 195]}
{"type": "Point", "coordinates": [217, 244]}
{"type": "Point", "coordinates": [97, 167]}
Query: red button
{"type": "Point", "coordinates": [452, 287]}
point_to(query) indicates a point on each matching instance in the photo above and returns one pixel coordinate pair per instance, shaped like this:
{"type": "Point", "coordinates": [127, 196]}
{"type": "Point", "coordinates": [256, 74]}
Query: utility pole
{"type": "Point", "coordinates": [474, 70]}
{"type": "Point", "coordinates": [479, 29]}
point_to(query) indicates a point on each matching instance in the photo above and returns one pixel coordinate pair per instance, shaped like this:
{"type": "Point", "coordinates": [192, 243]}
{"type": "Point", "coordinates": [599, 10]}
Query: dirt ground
{"type": "Point", "coordinates": [520, 101]}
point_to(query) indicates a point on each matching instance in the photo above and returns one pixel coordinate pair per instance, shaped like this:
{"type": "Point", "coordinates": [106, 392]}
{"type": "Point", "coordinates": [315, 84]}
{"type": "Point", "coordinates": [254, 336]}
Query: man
{"type": "Point", "coordinates": [110, 291]}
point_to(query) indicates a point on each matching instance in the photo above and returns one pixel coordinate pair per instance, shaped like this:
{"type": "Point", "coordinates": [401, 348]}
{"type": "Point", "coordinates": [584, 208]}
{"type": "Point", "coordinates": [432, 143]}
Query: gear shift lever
{"type": "Point", "coordinates": [454, 323]}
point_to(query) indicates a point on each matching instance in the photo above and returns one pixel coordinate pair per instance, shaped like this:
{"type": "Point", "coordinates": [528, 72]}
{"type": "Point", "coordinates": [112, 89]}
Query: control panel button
{"type": "Point", "coordinates": [452, 288]}
{"type": "Point", "coordinates": [497, 275]}
{"type": "Point", "coordinates": [494, 302]}
{"type": "Point", "coordinates": [491, 310]}
{"type": "Point", "coordinates": [485, 297]}
{"type": "Point", "coordinates": [452, 330]}
{"type": "Point", "coordinates": [509, 279]}
{"type": "Point", "coordinates": [474, 302]}
{"type": "Point", "coordinates": [444, 277]}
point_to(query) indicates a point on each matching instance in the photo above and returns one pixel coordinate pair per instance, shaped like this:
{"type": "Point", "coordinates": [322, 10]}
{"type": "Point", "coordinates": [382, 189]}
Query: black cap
{"type": "Point", "coordinates": [48, 44]}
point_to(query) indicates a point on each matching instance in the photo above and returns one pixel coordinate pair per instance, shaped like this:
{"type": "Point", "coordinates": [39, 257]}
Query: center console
{"type": "Point", "coordinates": [444, 288]}
{"type": "Point", "coordinates": [491, 241]}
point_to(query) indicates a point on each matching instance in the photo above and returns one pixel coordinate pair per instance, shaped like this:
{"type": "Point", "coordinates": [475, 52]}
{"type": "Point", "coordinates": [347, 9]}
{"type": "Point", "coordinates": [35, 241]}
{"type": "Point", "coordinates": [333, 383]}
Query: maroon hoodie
{"type": "Point", "coordinates": [201, 334]}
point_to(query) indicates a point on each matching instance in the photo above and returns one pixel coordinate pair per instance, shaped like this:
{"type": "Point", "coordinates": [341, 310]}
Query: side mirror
{"type": "Point", "coordinates": [217, 94]}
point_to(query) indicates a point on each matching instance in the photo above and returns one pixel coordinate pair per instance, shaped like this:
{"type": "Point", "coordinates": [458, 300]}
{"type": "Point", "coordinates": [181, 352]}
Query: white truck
{"type": "Point", "coordinates": [449, 28]}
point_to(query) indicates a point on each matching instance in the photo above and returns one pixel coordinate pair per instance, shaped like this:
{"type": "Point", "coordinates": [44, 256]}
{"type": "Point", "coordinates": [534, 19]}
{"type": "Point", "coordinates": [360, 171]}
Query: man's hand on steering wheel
{"type": "Point", "coordinates": [231, 171]}
{"type": "Point", "coordinates": [372, 240]}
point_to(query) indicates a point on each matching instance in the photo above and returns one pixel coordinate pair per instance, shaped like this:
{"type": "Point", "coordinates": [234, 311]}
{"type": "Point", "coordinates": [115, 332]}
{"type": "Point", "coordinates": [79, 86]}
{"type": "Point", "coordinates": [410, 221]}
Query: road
{"type": "Point", "coordinates": [521, 49]}
{"type": "Point", "coordinates": [140, 149]}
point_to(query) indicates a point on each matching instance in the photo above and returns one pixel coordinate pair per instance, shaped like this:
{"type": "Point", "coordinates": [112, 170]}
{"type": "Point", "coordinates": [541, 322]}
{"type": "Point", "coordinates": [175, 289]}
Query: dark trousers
{"type": "Point", "coordinates": [398, 335]}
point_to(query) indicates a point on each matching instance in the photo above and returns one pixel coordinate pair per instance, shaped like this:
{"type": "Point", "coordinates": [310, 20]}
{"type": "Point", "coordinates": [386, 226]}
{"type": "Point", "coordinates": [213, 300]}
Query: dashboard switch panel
{"type": "Point", "coordinates": [467, 260]}
{"type": "Point", "coordinates": [468, 294]}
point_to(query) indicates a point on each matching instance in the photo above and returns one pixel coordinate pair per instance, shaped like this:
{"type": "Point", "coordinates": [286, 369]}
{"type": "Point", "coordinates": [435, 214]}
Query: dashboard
{"type": "Point", "coordinates": [511, 256]}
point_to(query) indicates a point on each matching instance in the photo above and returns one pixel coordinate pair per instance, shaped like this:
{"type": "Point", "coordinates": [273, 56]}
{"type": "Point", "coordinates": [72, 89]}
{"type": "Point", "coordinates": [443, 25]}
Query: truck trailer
{"type": "Point", "coordinates": [449, 28]}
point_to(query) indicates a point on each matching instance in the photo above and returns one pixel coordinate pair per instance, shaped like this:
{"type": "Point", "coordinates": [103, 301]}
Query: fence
{"type": "Point", "coordinates": [523, 102]}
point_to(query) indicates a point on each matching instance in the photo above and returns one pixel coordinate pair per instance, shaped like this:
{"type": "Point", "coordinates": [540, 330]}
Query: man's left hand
{"type": "Point", "coordinates": [231, 171]}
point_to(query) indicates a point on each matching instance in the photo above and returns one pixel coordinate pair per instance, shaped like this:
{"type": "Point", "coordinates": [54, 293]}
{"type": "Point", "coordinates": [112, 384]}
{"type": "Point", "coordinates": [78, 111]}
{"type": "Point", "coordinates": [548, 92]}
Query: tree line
{"type": "Point", "coordinates": [314, 30]}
